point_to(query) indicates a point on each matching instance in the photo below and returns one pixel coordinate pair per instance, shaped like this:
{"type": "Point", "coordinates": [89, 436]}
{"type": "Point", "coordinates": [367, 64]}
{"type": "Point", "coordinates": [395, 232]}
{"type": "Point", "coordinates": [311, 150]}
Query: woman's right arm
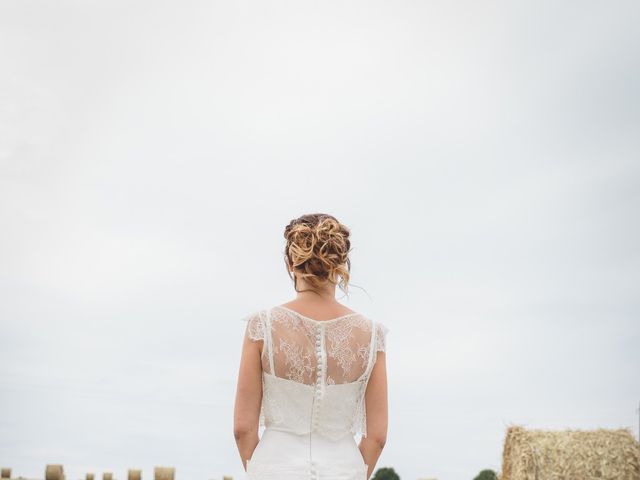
{"type": "Point", "coordinates": [377, 414]}
{"type": "Point", "coordinates": [248, 398]}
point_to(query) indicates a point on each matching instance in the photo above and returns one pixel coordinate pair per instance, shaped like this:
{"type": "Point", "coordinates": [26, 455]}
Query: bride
{"type": "Point", "coordinates": [312, 371]}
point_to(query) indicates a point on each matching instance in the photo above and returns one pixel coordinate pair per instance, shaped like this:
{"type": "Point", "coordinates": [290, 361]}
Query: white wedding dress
{"type": "Point", "coordinates": [314, 377]}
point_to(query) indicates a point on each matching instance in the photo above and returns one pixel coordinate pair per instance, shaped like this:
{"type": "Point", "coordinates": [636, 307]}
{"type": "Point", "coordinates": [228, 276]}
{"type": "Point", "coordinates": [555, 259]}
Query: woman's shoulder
{"type": "Point", "coordinates": [255, 324]}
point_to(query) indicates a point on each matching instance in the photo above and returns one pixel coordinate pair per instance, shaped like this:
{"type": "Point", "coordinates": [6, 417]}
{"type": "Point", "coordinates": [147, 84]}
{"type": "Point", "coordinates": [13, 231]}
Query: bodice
{"type": "Point", "coordinates": [315, 372]}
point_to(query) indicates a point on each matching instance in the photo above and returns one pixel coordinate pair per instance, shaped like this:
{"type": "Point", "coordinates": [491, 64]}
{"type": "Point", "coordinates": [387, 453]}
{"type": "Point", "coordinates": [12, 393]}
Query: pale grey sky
{"type": "Point", "coordinates": [484, 154]}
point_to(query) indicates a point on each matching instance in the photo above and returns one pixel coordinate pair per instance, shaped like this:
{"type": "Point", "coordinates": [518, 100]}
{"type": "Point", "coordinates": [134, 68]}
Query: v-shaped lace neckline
{"type": "Point", "coordinates": [313, 319]}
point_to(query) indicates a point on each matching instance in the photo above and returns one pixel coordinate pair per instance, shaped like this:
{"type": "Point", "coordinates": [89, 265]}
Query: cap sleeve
{"type": "Point", "coordinates": [381, 337]}
{"type": "Point", "coordinates": [255, 326]}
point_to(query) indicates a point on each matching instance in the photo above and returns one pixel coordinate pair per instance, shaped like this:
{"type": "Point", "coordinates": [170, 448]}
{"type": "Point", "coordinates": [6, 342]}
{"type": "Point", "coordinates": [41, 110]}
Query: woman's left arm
{"type": "Point", "coordinates": [248, 398]}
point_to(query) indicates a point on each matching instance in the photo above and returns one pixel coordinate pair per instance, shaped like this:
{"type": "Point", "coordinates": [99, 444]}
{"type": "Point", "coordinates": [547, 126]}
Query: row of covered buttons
{"type": "Point", "coordinates": [318, 393]}
{"type": "Point", "coordinates": [320, 364]}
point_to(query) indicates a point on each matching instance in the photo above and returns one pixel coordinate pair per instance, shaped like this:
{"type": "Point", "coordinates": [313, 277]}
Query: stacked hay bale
{"type": "Point", "coordinates": [570, 455]}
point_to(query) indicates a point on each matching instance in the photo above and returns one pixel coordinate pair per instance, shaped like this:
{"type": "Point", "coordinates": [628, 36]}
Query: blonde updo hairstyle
{"type": "Point", "coordinates": [317, 250]}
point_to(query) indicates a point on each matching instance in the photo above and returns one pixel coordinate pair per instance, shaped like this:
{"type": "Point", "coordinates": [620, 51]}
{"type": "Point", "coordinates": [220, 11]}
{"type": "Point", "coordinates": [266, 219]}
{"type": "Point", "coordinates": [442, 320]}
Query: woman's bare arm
{"type": "Point", "coordinates": [377, 414]}
{"type": "Point", "coordinates": [248, 398]}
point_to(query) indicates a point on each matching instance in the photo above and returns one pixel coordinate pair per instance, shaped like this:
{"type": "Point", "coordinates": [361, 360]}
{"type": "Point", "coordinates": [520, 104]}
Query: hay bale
{"type": "Point", "coordinates": [570, 455]}
{"type": "Point", "coordinates": [54, 472]}
{"type": "Point", "coordinates": [134, 474]}
{"type": "Point", "coordinates": [5, 473]}
{"type": "Point", "coordinates": [164, 473]}
{"type": "Point", "coordinates": [107, 476]}
{"type": "Point", "coordinates": [89, 476]}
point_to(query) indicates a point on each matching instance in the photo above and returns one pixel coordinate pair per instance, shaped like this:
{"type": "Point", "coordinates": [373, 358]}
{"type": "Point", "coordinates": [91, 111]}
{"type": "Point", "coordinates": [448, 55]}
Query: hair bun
{"type": "Point", "coordinates": [318, 249]}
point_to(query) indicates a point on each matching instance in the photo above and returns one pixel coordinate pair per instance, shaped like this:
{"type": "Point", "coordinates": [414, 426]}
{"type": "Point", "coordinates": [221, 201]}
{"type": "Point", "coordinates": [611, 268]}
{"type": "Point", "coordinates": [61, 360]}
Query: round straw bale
{"type": "Point", "coordinates": [5, 473]}
{"type": "Point", "coordinates": [107, 476]}
{"type": "Point", "coordinates": [89, 476]}
{"type": "Point", "coordinates": [134, 474]}
{"type": "Point", "coordinates": [164, 473]}
{"type": "Point", "coordinates": [53, 472]}
{"type": "Point", "coordinates": [570, 454]}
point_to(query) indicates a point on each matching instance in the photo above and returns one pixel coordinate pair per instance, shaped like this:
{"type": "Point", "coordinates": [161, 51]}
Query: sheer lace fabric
{"type": "Point", "coordinates": [315, 372]}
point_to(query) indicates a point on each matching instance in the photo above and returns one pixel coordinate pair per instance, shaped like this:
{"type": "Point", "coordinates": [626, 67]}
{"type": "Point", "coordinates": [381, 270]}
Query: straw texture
{"type": "Point", "coordinates": [570, 455]}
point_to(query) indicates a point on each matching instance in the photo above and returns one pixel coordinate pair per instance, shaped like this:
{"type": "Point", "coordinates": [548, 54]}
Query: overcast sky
{"type": "Point", "coordinates": [484, 154]}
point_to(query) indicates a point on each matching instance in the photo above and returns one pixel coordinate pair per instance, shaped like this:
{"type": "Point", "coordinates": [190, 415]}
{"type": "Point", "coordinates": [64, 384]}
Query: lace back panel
{"type": "Point", "coordinates": [305, 357]}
